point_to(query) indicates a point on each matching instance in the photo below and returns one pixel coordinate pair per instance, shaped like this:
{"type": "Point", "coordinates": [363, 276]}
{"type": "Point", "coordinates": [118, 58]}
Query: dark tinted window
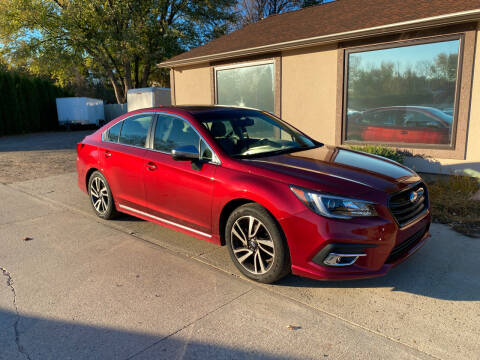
{"type": "Point", "coordinates": [205, 152]}
{"type": "Point", "coordinates": [383, 118]}
{"type": "Point", "coordinates": [419, 119]}
{"type": "Point", "coordinates": [135, 130]}
{"type": "Point", "coordinates": [172, 132]}
{"type": "Point", "coordinates": [113, 133]}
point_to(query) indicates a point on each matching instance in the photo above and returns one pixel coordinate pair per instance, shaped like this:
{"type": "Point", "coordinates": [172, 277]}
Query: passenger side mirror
{"type": "Point", "coordinates": [185, 153]}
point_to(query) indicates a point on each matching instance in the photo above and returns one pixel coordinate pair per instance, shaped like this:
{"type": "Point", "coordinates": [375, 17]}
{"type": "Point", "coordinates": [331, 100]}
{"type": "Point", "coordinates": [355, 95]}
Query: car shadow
{"type": "Point", "coordinates": [122, 217]}
{"type": "Point", "coordinates": [60, 140]}
{"type": "Point", "coordinates": [445, 268]}
{"type": "Point", "coordinates": [40, 338]}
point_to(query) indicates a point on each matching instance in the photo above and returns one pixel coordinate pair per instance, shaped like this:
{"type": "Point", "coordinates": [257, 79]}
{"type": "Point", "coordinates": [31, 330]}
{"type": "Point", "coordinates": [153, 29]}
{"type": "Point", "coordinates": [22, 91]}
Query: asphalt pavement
{"type": "Point", "coordinates": [73, 286]}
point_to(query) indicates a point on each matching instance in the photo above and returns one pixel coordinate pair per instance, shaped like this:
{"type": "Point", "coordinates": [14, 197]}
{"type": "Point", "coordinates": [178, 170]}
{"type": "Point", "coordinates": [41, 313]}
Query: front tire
{"type": "Point", "coordinates": [101, 196]}
{"type": "Point", "coordinates": [256, 244]}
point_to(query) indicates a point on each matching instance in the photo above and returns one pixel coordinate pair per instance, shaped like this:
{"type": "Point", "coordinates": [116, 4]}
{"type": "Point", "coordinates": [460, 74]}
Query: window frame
{"type": "Point", "coordinates": [147, 141]}
{"type": "Point", "coordinates": [245, 64]}
{"type": "Point", "coordinates": [153, 118]}
{"type": "Point", "coordinates": [398, 44]}
{"type": "Point", "coordinates": [151, 134]}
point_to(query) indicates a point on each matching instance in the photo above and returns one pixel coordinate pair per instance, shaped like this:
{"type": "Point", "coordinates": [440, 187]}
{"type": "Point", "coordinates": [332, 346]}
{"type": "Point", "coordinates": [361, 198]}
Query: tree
{"type": "Point", "coordinates": [118, 40]}
{"type": "Point", "coordinates": [428, 82]}
{"type": "Point", "coordinates": [251, 11]}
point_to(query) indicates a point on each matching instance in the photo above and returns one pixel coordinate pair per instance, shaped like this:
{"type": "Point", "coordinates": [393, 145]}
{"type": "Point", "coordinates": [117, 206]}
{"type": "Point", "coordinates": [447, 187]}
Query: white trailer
{"type": "Point", "coordinates": [148, 97]}
{"type": "Point", "coordinates": [80, 111]}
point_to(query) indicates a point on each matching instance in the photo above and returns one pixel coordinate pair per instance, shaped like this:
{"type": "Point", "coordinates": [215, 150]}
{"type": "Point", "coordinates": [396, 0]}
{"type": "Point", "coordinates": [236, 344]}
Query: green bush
{"type": "Point", "coordinates": [390, 153]}
{"type": "Point", "coordinates": [27, 104]}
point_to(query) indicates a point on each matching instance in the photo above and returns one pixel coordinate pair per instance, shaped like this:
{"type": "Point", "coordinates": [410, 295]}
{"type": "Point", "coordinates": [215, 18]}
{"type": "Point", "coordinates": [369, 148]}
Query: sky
{"type": "Point", "coordinates": [407, 55]}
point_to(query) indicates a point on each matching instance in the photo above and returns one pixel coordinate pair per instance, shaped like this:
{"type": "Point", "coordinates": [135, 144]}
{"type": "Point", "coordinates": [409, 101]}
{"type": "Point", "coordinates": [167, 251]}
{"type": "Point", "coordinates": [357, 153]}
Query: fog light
{"type": "Point", "coordinates": [334, 259]}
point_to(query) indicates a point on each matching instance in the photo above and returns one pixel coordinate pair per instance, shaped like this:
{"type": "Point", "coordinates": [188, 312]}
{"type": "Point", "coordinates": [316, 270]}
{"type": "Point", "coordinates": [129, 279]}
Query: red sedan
{"type": "Point", "coordinates": [280, 201]}
{"type": "Point", "coordinates": [401, 124]}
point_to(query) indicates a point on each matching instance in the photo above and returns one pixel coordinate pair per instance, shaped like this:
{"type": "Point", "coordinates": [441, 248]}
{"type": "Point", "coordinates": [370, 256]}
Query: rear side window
{"type": "Point", "coordinates": [172, 132]}
{"type": "Point", "coordinates": [114, 132]}
{"type": "Point", "coordinates": [135, 130]}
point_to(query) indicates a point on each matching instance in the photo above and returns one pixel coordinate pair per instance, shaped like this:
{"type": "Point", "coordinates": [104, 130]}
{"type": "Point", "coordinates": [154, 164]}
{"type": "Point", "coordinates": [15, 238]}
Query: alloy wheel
{"type": "Point", "coordinates": [99, 195]}
{"type": "Point", "coordinates": [252, 245]}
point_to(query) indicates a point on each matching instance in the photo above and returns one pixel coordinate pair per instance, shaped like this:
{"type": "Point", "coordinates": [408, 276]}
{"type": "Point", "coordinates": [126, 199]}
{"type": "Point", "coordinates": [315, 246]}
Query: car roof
{"type": "Point", "coordinates": [401, 107]}
{"type": "Point", "coordinates": [196, 109]}
{"type": "Point", "coordinates": [193, 109]}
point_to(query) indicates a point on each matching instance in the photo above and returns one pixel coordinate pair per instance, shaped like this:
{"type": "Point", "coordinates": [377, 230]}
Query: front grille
{"type": "Point", "coordinates": [404, 208]}
{"type": "Point", "coordinates": [402, 248]}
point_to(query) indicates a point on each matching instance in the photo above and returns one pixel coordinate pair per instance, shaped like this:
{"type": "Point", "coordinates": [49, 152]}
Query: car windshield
{"type": "Point", "coordinates": [442, 115]}
{"type": "Point", "coordinates": [245, 133]}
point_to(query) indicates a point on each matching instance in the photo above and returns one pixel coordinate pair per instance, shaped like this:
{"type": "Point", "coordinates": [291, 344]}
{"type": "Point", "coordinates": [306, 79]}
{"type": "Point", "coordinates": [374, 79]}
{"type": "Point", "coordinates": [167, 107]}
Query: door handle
{"type": "Point", "coordinates": [108, 154]}
{"type": "Point", "coordinates": [404, 132]}
{"type": "Point", "coordinates": [151, 166]}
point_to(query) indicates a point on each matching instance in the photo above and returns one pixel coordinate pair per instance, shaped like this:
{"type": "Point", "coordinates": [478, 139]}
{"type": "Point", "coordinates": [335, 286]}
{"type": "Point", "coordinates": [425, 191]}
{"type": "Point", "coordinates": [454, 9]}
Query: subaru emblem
{"type": "Point", "coordinates": [415, 195]}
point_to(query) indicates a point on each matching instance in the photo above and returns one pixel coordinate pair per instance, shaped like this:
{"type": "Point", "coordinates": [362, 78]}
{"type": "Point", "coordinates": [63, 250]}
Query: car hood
{"type": "Point", "coordinates": [345, 168]}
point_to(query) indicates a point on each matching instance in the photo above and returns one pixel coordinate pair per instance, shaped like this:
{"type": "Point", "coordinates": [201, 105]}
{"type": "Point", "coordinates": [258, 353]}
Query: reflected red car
{"type": "Point", "coordinates": [279, 200]}
{"type": "Point", "coordinates": [401, 124]}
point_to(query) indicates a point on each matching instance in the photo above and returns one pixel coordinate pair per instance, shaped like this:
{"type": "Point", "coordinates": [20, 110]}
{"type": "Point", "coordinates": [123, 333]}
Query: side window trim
{"type": "Point", "coordinates": [104, 133]}
{"type": "Point", "coordinates": [151, 132]}
{"type": "Point", "coordinates": [215, 159]}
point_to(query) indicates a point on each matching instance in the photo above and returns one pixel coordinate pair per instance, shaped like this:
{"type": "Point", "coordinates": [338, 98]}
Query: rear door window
{"type": "Point", "coordinates": [135, 130]}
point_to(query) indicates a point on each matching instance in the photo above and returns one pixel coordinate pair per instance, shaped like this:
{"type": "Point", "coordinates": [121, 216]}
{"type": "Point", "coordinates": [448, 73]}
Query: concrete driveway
{"type": "Point", "coordinates": [85, 288]}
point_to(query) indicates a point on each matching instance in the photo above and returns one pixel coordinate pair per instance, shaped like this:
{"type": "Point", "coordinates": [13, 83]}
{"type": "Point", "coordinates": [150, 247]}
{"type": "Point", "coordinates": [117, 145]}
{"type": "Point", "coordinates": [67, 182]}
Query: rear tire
{"type": "Point", "coordinates": [101, 196]}
{"type": "Point", "coordinates": [256, 244]}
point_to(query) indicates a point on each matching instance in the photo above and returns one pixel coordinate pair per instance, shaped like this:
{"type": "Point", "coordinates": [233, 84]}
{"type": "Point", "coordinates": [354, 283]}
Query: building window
{"type": "Point", "coordinates": [403, 95]}
{"type": "Point", "coordinates": [249, 85]}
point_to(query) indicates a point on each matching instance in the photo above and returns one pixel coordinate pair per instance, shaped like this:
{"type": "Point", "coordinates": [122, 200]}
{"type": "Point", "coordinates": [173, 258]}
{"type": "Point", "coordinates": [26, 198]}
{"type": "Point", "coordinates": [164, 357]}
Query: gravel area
{"type": "Point", "coordinates": [34, 156]}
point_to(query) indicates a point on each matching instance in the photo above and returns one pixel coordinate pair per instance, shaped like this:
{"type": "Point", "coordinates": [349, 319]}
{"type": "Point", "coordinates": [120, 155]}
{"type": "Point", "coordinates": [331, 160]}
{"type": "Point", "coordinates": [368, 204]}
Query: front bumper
{"type": "Point", "coordinates": [311, 238]}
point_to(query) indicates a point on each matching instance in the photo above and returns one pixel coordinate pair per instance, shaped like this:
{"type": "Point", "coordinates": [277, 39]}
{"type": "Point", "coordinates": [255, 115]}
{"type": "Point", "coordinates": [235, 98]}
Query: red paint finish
{"type": "Point", "coordinates": [401, 124]}
{"type": "Point", "coordinates": [149, 184]}
{"type": "Point", "coordinates": [177, 192]}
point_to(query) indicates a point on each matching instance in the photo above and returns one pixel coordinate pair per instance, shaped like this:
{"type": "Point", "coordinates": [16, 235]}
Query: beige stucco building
{"type": "Point", "coordinates": [401, 74]}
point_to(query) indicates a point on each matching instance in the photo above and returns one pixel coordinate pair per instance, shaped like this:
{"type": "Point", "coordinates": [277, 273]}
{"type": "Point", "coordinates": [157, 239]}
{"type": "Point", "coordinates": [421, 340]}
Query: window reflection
{"type": "Point", "coordinates": [172, 132]}
{"type": "Point", "coordinates": [114, 132]}
{"type": "Point", "coordinates": [135, 130]}
{"type": "Point", "coordinates": [250, 86]}
{"type": "Point", "coordinates": [403, 94]}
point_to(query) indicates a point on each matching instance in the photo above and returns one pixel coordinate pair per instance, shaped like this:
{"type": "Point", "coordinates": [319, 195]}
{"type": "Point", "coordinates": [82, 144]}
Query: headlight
{"type": "Point", "coordinates": [334, 206]}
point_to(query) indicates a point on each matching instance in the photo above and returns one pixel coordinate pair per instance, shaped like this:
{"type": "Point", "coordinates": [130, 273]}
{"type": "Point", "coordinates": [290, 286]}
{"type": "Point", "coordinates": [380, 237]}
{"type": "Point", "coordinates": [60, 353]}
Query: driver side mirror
{"type": "Point", "coordinates": [185, 153]}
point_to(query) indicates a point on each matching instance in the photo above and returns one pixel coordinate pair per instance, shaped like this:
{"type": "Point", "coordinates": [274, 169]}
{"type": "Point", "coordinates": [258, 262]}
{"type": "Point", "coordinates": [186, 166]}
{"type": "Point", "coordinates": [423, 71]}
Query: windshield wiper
{"type": "Point", "coordinates": [276, 152]}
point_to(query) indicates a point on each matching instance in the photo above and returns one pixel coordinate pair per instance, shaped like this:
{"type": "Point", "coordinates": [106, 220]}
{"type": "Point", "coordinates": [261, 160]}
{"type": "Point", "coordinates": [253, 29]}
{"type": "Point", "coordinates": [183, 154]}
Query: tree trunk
{"type": "Point", "coordinates": [137, 80]}
{"type": "Point", "coordinates": [128, 77]}
{"type": "Point", "coordinates": [119, 95]}
{"type": "Point", "coordinates": [146, 73]}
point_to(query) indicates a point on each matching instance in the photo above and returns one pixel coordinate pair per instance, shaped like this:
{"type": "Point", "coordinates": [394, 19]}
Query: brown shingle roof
{"type": "Point", "coordinates": [331, 18]}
